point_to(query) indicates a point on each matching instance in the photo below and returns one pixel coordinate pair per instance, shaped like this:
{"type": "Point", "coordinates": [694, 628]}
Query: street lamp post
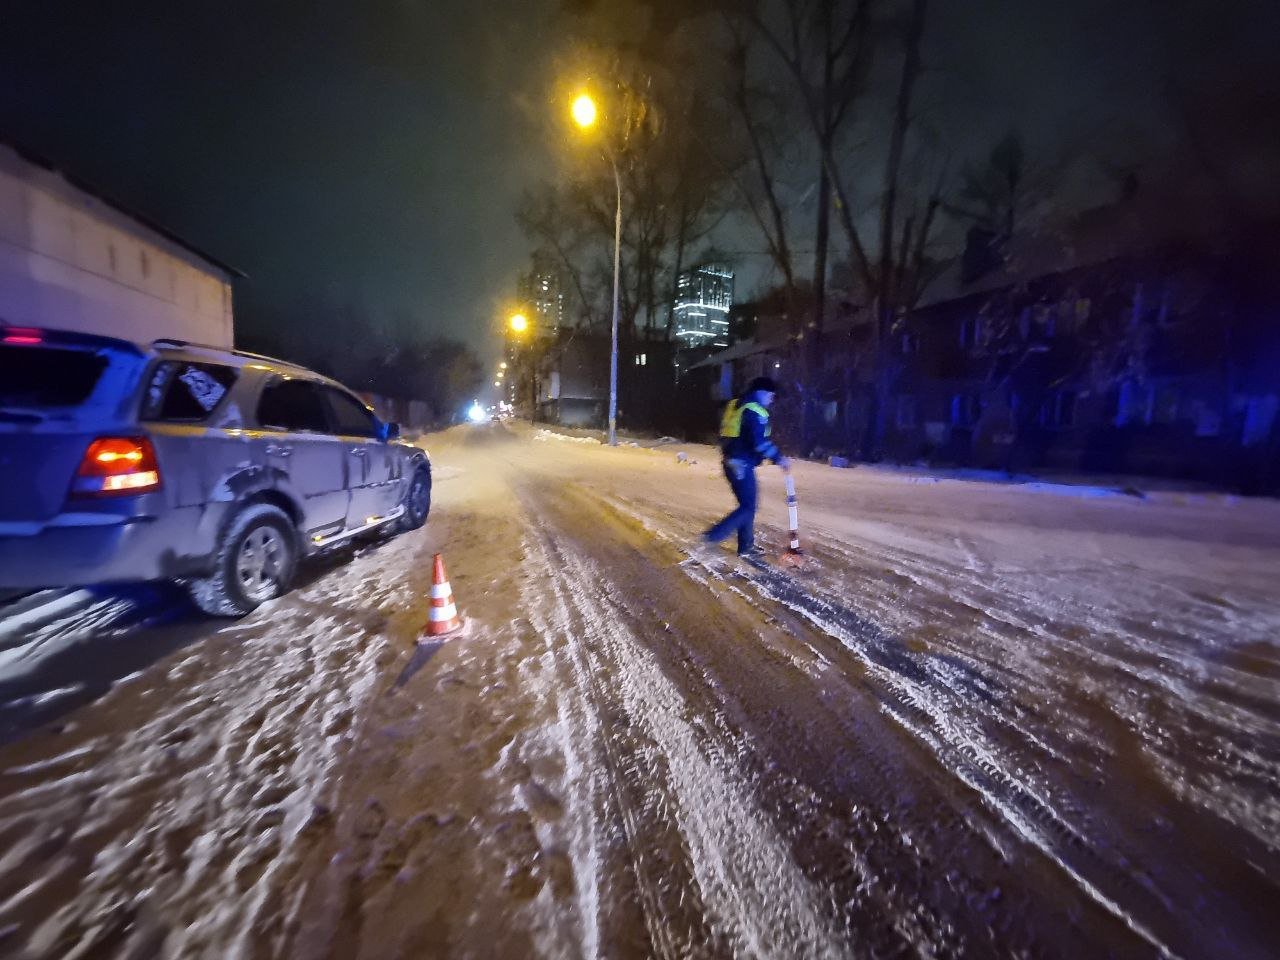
{"type": "Point", "coordinates": [519, 325]}
{"type": "Point", "coordinates": [613, 348]}
{"type": "Point", "coordinates": [584, 115]}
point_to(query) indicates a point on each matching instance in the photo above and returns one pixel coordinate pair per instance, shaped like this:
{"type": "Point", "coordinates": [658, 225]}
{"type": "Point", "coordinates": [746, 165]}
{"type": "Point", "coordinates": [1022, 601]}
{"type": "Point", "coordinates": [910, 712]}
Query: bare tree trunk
{"type": "Point", "coordinates": [897, 143]}
{"type": "Point", "coordinates": [774, 227]}
{"type": "Point", "coordinates": [844, 209]}
{"type": "Point", "coordinates": [901, 260]}
{"type": "Point", "coordinates": [814, 335]}
{"type": "Point", "coordinates": [917, 271]}
{"type": "Point", "coordinates": [829, 102]}
{"type": "Point", "coordinates": [884, 301]}
{"type": "Point", "coordinates": [682, 232]}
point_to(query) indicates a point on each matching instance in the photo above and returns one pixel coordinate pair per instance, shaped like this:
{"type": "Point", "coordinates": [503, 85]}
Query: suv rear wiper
{"type": "Point", "coordinates": [20, 415]}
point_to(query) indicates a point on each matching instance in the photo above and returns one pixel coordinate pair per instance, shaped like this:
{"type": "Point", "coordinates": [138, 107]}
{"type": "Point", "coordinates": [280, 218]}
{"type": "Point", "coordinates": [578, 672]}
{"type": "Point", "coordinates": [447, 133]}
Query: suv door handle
{"type": "Point", "coordinates": [360, 451]}
{"type": "Point", "coordinates": [279, 450]}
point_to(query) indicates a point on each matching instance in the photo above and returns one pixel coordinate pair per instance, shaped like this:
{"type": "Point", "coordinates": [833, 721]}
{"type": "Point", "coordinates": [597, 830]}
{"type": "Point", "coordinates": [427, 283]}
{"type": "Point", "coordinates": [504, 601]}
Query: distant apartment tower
{"type": "Point", "coordinates": [703, 299]}
{"type": "Point", "coordinates": [542, 291]}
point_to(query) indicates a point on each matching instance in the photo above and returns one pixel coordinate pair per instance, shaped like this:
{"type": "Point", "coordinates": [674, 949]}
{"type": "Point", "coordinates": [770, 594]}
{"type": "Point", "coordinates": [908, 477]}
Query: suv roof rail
{"type": "Point", "coordinates": [262, 356]}
{"type": "Point", "coordinates": [172, 342]}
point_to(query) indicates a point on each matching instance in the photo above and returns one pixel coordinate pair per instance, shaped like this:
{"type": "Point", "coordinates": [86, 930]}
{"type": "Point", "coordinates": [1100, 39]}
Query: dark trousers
{"type": "Point", "coordinates": [742, 480]}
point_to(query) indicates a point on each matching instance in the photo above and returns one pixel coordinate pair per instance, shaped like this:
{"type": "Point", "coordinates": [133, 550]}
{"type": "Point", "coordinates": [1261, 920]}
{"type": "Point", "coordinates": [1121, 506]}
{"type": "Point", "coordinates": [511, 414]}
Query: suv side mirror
{"type": "Point", "coordinates": [388, 431]}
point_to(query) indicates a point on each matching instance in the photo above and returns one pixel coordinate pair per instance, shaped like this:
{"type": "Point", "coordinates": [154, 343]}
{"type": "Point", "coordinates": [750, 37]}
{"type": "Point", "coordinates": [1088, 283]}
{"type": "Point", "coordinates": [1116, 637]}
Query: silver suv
{"type": "Point", "coordinates": [216, 468]}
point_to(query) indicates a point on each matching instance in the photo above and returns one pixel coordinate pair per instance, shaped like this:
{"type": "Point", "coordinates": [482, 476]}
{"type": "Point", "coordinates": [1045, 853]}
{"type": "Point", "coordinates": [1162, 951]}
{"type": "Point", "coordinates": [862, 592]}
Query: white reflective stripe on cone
{"type": "Point", "coordinates": [441, 591]}
{"type": "Point", "coordinates": [441, 614]}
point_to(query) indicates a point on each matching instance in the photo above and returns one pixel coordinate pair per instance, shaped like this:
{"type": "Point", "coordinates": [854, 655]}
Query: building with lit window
{"type": "Point", "coordinates": [703, 299]}
{"type": "Point", "coordinates": [542, 291]}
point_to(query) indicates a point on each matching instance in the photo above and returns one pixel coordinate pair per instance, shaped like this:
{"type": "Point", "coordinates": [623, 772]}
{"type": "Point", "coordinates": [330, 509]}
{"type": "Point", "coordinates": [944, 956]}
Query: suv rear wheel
{"type": "Point", "coordinates": [256, 560]}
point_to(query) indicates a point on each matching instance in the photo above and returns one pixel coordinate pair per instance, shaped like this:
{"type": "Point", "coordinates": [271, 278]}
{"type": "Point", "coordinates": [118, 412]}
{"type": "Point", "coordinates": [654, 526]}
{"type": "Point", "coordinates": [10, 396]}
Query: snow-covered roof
{"type": "Point", "coordinates": [747, 348]}
{"type": "Point", "coordinates": [1148, 220]}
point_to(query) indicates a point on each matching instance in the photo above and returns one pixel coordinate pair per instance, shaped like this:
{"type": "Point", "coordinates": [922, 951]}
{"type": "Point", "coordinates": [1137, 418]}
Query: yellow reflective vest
{"type": "Point", "coordinates": [731, 421]}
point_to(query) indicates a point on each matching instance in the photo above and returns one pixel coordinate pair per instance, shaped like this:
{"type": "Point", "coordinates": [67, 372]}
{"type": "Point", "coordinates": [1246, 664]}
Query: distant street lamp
{"type": "Point", "coordinates": [584, 115]}
{"type": "Point", "coordinates": [519, 325]}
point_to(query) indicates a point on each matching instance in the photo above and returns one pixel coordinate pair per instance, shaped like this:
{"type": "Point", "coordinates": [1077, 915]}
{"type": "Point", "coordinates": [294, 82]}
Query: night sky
{"type": "Point", "coordinates": [367, 157]}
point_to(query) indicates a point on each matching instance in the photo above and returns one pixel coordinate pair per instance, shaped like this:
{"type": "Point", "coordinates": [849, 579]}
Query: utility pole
{"type": "Point", "coordinates": [613, 349]}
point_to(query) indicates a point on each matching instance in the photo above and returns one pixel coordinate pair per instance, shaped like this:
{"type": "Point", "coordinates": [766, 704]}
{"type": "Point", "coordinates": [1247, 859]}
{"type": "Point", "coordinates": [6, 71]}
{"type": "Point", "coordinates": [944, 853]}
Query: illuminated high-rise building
{"type": "Point", "coordinates": [703, 298]}
{"type": "Point", "coordinates": [542, 293]}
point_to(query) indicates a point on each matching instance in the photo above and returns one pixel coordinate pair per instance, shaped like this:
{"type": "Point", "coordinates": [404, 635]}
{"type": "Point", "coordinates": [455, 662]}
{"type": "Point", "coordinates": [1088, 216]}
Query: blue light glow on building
{"type": "Point", "coordinates": [703, 299]}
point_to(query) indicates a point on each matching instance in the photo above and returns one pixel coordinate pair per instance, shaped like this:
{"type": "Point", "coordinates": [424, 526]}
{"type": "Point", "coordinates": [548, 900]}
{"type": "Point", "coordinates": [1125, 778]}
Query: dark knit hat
{"type": "Point", "coordinates": [763, 384]}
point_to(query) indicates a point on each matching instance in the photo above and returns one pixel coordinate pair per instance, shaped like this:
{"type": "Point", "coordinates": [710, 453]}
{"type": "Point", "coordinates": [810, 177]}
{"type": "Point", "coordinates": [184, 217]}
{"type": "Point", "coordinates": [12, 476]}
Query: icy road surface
{"type": "Point", "coordinates": [993, 721]}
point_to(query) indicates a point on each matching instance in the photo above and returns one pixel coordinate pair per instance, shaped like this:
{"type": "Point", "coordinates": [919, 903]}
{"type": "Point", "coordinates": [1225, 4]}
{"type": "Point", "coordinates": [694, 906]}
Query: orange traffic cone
{"type": "Point", "coordinates": [444, 613]}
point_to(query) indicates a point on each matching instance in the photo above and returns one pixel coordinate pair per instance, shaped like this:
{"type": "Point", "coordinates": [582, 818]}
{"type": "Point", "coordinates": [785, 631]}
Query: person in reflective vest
{"type": "Point", "coordinates": [745, 443]}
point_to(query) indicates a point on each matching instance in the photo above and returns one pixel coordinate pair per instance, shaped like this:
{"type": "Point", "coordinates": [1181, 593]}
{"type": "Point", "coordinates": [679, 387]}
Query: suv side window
{"type": "Point", "coordinates": [293, 405]}
{"type": "Point", "coordinates": [182, 392]}
{"type": "Point", "coordinates": [350, 417]}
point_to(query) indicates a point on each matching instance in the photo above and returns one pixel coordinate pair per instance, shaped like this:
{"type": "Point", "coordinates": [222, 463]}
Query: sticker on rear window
{"type": "Point", "coordinates": [205, 390]}
{"type": "Point", "coordinates": [187, 392]}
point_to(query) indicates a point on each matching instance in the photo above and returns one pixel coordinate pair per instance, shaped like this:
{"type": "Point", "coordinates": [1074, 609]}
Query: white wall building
{"type": "Point", "coordinates": [71, 260]}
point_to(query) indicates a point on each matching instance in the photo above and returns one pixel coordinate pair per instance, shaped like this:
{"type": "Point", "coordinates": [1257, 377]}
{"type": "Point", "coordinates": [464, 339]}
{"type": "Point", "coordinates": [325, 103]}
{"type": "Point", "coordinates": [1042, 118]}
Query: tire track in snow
{"type": "Point", "coordinates": [43, 625]}
{"type": "Point", "coordinates": [933, 705]}
{"type": "Point", "coordinates": [176, 835]}
{"type": "Point", "coordinates": [905, 894]}
{"type": "Point", "coordinates": [927, 713]}
{"type": "Point", "coordinates": [743, 884]}
{"type": "Point", "coordinates": [871, 860]}
{"type": "Point", "coordinates": [1192, 877]}
{"type": "Point", "coordinates": [1220, 770]}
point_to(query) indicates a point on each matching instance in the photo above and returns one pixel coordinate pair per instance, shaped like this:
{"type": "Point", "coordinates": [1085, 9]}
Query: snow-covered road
{"type": "Point", "coordinates": [991, 720]}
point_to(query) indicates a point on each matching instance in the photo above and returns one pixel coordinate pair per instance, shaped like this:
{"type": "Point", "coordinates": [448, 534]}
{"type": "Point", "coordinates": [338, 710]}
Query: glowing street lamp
{"type": "Point", "coordinates": [502, 365]}
{"type": "Point", "coordinates": [519, 323]}
{"type": "Point", "coordinates": [584, 111]}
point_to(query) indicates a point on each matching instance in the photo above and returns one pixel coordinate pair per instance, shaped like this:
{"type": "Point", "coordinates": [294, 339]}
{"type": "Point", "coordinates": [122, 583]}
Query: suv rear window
{"type": "Point", "coordinates": [47, 376]}
{"type": "Point", "coordinates": [182, 392]}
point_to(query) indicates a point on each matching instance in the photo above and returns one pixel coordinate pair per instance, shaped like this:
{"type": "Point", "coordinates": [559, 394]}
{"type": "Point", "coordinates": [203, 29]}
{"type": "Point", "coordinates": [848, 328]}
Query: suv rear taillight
{"type": "Point", "coordinates": [117, 465]}
{"type": "Point", "coordinates": [21, 336]}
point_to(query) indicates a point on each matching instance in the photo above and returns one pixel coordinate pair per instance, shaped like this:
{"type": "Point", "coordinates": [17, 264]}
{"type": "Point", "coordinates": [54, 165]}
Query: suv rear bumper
{"type": "Point", "coordinates": [77, 549]}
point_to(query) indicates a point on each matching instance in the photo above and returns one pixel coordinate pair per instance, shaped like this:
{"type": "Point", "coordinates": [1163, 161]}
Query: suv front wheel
{"type": "Point", "coordinates": [255, 563]}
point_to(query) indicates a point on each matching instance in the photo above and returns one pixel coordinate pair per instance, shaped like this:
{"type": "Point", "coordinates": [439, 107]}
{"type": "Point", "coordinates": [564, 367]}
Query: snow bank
{"type": "Point", "coordinates": [543, 435]}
